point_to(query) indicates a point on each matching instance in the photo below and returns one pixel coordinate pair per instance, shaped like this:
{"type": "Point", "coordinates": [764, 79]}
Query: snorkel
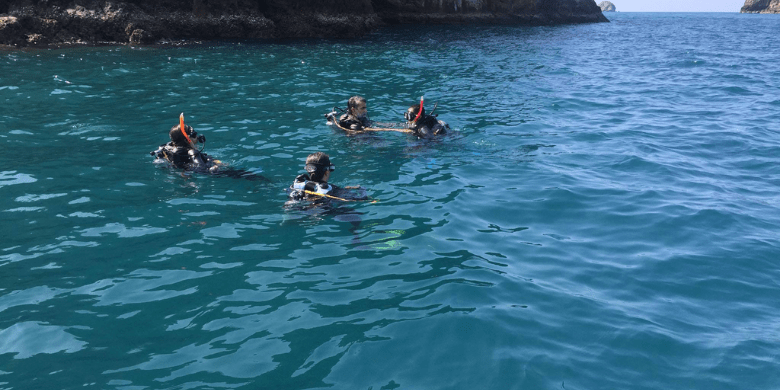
{"type": "Point", "coordinates": [183, 131]}
{"type": "Point", "coordinates": [434, 109]}
{"type": "Point", "coordinates": [420, 111]}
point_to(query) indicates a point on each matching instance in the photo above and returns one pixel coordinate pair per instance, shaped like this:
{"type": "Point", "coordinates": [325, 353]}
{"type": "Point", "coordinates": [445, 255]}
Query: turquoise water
{"type": "Point", "coordinates": [604, 214]}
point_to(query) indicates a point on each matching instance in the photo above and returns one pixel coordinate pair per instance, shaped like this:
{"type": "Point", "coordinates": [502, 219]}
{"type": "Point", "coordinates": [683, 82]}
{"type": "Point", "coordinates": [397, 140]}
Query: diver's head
{"type": "Point", "coordinates": [412, 112]}
{"type": "Point", "coordinates": [179, 139]}
{"type": "Point", "coordinates": [356, 106]}
{"type": "Point", "coordinates": [319, 167]}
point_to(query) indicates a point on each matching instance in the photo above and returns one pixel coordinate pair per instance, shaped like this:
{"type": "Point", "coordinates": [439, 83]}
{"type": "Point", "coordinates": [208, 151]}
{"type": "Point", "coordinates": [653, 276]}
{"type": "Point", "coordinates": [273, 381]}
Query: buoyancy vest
{"type": "Point", "coordinates": [303, 183]}
{"type": "Point", "coordinates": [182, 157]}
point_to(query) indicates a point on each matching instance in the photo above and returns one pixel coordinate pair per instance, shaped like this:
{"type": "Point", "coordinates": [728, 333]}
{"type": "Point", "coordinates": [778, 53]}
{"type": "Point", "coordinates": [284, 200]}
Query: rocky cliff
{"type": "Point", "coordinates": [607, 6]}
{"type": "Point", "coordinates": [761, 7]}
{"type": "Point", "coordinates": [53, 22]}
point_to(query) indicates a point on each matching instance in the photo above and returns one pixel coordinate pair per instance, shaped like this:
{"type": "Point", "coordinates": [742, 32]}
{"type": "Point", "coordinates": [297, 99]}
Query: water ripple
{"type": "Point", "coordinates": [603, 214]}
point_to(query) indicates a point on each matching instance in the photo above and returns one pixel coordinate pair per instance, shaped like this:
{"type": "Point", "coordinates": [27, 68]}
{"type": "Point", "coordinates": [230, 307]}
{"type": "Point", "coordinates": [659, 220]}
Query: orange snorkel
{"type": "Point", "coordinates": [418, 113]}
{"type": "Point", "coordinates": [181, 127]}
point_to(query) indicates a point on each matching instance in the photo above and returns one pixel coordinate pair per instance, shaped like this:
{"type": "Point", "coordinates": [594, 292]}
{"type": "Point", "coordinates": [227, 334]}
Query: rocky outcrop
{"type": "Point", "coordinates": [54, 22]}
{"type": "Point", "coordinates": [761, 7]}
{"type": "Point", "coordinates": [607, 6]}
{"type": "Point", "coordinates": [531, 12]}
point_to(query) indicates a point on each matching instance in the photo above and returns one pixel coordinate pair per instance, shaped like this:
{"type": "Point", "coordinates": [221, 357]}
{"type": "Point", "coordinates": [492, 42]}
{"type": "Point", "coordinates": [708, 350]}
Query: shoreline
{"type": "Point", "coordinates": [59, 24]}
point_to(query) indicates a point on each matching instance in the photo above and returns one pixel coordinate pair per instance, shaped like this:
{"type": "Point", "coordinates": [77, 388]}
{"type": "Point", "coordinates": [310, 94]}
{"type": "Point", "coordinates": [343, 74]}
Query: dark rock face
{"type": "Point", "coordinates": [534, 12]}
{"type": "Point", "coordinates": [761, 7]}
{"type": "Point", "coordinates": [607, 6]}
{"type": "Point", "coordinates": [53, 22]}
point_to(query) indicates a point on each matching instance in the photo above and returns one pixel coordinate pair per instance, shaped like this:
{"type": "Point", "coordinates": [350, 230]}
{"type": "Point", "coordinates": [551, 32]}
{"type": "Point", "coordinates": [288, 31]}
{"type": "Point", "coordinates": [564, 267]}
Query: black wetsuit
{"type": "Point", "coordinates": [350, 122]}
{"type": "Point", "coordinates": [193, 160]}
{"type": "Point", "coordinates": [429, 126]}
{"type": "Point", "coordinates": [184, 157]}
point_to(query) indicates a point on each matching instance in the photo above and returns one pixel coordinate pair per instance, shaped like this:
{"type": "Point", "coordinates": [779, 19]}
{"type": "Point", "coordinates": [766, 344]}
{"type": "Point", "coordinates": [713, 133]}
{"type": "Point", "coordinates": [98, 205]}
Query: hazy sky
{"type": "Point", "coordinates": [677, 5]}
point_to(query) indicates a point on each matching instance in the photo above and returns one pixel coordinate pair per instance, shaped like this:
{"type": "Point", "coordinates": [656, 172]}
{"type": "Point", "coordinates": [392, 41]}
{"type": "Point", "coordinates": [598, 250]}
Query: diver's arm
{"type": "Point", "coordinates": [349, 193]}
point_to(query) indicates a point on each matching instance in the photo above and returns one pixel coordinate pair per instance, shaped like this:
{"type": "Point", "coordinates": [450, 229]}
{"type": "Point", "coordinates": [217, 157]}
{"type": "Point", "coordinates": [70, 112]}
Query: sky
{"type": "Point", "coordinates": [677, 5]}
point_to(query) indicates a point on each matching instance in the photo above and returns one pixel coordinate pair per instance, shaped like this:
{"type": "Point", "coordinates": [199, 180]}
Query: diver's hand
{"type": "Point", "coordinates": [202, 139]}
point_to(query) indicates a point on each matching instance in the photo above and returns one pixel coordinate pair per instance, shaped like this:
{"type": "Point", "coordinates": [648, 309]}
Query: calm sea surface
{"type": "Point", "coordinates": [604, 214]}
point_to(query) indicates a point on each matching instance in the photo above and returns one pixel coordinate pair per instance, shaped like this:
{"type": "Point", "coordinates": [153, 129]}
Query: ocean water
{"type": "Point", "coordinates": [603, 215]}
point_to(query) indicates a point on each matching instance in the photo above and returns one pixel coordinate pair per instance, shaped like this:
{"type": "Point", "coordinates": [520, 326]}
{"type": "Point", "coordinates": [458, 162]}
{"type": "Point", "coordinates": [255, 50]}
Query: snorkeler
{"type": "Point", "coordinates": [314, 184]}
{"type": "Point", "coordinates": [424, 125]}
{"type": "Point", "coordinates": [356, 117]}
{"type": "Point", "coordinates": [181, 151]}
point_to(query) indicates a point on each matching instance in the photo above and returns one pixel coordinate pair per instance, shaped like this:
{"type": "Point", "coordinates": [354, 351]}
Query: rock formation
{"type": "Point", "coordinates": [761, 7]}
{"type": "Point", "coordinates": [53, 22]}
{"type": "Point", "coordinates": [607, 6]}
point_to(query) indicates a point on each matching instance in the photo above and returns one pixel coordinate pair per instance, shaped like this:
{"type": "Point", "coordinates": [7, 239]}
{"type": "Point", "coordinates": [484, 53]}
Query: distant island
{"type": "Point", "coordinates": [761, 7]}
{"type": "Point", "coordinates": [57, 22]}
{"type": "Point", "coordinates": [607, 6]}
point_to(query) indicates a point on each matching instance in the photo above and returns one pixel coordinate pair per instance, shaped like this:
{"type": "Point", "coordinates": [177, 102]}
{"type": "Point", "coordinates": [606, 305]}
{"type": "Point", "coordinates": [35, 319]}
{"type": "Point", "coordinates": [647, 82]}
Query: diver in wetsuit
{"type": "Point", "coordinates": [314, 184]}
{"type": "Point", "coordinates": [181, 151]}
{"type": "Point", "coordinates": [424, 125]}
{"type": "Point", "coordinates": [356, 117]}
